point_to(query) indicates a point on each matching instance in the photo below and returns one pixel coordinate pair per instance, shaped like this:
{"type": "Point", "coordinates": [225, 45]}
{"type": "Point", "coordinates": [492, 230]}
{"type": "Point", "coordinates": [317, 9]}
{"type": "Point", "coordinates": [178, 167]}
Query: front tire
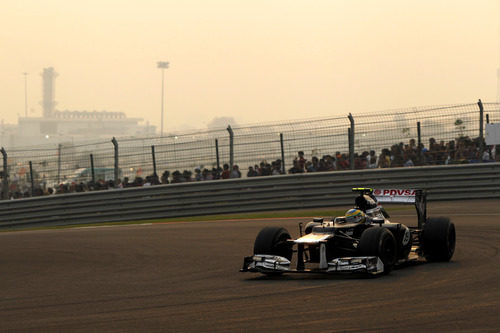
{"type": "Point", "coordinates": [273, 240]}
{"type": "Point", "coordinates": [438, 239]}
{"type": "Point", "coordinates": [379, 242]}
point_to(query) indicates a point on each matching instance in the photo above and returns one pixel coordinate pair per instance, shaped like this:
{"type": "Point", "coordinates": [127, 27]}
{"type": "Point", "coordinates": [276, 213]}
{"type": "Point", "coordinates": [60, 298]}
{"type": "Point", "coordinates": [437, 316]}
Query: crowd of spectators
{"type": "Point", "coordinates": [461, 150]}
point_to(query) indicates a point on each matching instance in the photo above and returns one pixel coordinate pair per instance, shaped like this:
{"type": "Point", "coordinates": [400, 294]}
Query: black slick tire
{"type": "Point", "coordinates": [438, 239]}
{"type": "Point", "coordinates": [272, 240]}
{"type": "Point", "coordinates": [380, 242]}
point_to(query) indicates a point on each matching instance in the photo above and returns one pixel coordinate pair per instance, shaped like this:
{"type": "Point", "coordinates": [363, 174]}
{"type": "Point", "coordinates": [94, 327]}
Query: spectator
{"type": "Point", "coordinates": [302, 160]}
{"type": "Point", "coordinates": [296, 167]}
{"type": "Point", "coordinates": [396, 156]}
{"type": "Point", "coordinates": [265, 169]}
{"type": "Point", "coordinates": [198, 177]}
{"type": "Point", "coordinates": [450, 152]}
{"type": "Point", "coordinates": [330, 162]}
{"type": "Point", "coordinates": [187, 175]}
{"type": "Point", "coordinates": [314, 164]}
{"type": "Point", "coordinates": [154, 179]}
{"type": "Point", "coordinates": [206, 174]}
{"type": "Point", "coordinates": [177, 177]}
{"type": "Point", "coordinates": [276, 168]}
{"type": "Point", "coordinates": [408, 160]}
{"type": "Point", "coordinates": [138, 182]}
{"type": "Point", "coordinates": [310, 167]}
{"type": "Point", "coordinates": [342, 162]}
{"type": "Point", "coordinates": [164, 177]}
{"type": "Point", "coordinates": [412, 145]}
{"type": "Point", "coordinates": [251, 172]}
{"type": "Point", "coordinates": [216, 173]}
{"type": "Point", "coordinates": [372, 160]}
{"type": "Point", "coordinates": [364, 160]}
{"type": "Point", "coordinates": [357, 161]}
{"type": "Point", "coordinates": [257, 169]}
{"type": "Point", "coordinates": [486, 156]}
{"type": "Point", "coordinates": [384, 161]}
{"type": "Point", "coordinates": [235, 173]}
{"type": "Point", "coordinates": [225, 173]}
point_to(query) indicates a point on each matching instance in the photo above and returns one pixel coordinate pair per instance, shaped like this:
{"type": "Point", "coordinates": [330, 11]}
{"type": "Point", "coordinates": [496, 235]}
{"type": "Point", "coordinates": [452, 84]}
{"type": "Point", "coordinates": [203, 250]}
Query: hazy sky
{"type": "Point", "coordinates": [255, 61]}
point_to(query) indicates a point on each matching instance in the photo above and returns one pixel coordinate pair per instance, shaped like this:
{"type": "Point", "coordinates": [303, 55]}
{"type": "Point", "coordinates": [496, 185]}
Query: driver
{"type": "Point", "coordinates": [355, 216]}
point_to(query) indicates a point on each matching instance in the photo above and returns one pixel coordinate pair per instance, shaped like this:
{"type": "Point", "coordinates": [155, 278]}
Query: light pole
{"type": "Point", "coordinates": [162, 65]}
{"type": "Point", "coordinates": [25, 94]}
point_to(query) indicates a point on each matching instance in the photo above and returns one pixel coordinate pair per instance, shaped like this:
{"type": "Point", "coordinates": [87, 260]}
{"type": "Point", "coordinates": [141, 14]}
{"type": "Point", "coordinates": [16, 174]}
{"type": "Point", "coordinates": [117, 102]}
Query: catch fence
{"type": "Point", "coordinates": [34, 169]}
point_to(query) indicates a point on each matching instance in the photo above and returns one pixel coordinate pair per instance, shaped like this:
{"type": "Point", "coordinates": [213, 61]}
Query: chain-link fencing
{"type": "Point", "coordinates": [273, 147]}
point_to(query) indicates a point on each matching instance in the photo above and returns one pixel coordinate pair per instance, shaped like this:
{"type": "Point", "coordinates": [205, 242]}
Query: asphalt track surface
{"type": "Point", "coordinates": [184, 277]}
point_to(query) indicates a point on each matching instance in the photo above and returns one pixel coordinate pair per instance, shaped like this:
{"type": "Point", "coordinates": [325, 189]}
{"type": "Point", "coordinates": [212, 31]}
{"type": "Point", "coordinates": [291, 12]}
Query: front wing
{"type": "Point", "coordinates": [269, 264]}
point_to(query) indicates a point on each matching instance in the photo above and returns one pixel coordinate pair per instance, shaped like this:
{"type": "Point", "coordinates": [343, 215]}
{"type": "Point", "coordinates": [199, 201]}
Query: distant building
{"type": "Point", "coordinates": [8, 134]}
{"type": "Point", "coordinates": [74, 126]}
{"type": "Point", "coordinates": [69, 126]}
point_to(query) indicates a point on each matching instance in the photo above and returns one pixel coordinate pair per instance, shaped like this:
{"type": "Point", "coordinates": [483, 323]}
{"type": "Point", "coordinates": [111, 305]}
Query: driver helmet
{"type": "Point", "coordinates": [355, 216]}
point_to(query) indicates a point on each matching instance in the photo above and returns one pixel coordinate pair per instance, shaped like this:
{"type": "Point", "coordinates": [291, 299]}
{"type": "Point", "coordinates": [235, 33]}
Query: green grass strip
{"type": "Point", "coordinates": [327, 213]}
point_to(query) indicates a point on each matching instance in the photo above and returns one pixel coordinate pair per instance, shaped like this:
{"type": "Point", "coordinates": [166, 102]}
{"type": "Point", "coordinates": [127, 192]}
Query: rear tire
{"type": "Point", "coordinates": [272, 240]}
{"type": "Point", "coordinates": [380, 242]}
{"type": "Point", "coordinates": [438, 239]}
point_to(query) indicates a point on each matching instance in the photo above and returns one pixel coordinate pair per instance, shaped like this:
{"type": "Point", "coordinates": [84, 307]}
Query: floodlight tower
{"type": "Point", "coordinates": [162, 65]}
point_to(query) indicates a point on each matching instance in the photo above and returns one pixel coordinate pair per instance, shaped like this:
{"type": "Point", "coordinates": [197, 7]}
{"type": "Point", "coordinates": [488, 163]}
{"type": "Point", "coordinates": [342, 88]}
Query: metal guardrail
{"type": "Point", "coordinates": [247, 195]}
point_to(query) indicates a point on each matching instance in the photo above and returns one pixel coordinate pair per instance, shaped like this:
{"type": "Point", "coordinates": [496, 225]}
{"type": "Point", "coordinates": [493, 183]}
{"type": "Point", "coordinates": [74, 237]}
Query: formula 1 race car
{"type": "Point", "coordinates": [364, 240]}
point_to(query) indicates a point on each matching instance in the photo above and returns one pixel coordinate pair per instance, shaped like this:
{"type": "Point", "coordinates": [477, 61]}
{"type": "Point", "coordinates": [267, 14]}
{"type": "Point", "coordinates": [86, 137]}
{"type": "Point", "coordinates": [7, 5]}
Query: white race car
{"type": "Point", "coordinates": [364, 240]}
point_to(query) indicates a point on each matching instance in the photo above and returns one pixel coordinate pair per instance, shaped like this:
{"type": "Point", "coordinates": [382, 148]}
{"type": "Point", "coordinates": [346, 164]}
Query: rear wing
{"type": "Point", "coordinates": [404, 196]}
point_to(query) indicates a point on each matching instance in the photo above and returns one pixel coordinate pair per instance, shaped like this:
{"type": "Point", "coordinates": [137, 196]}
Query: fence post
{"type": "Point", "coordinates": [350, 133]}
{"type": "Point", "coordinates": [5, 181]}
{"type": "Point", "coordinates": [31, 180]}
{"type": "Point", "coordinates": [59, 150]}
{"type": "Point", "coordinates": [349, 142]}
{"type": "Point", "coordinates": [481, 134]}
{"type": "Point", "coordinates": [115, 143]}
{"type": "Point", "coordinates": [154, 160]}
{"type": "Point", "coordinates": [231, 146]}
{"type": "Point", "coordinates": [282, 154]}
{"type": "Point", "coordinates": [92, 167]}
{"type": "Point", "coordinates": [217, 154]}
{"type": "Point", "coordinates": [487, 118]}
{"type": "Point", "coordinates": [419, 133]}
